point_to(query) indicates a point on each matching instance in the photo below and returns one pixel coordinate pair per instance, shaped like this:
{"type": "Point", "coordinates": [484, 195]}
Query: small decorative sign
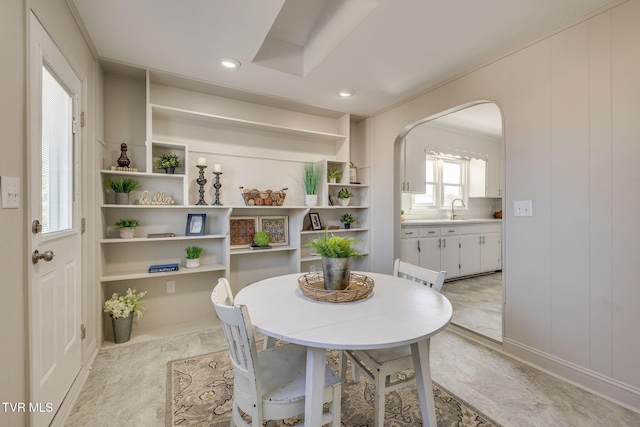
{"type": "Point", "coordinates": [160, 198]}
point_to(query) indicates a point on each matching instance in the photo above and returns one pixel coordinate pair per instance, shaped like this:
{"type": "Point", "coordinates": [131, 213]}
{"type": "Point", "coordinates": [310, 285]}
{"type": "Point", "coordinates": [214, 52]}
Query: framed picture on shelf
{"type": "Point", "coordinates": [241, 231]}
{"type": "Point", "coordinates": [195, 224]}
{"type": "Point", "coordinates": [277, 227]}
{"type": "Point", "coordinates": [353, 174]}
{"type": "Point", "coordinates": [314, 217]}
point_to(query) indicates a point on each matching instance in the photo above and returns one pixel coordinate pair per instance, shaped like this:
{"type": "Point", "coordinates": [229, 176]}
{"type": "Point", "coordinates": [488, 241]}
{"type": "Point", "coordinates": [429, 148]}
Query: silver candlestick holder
{"type": "Point", "coordinates": [201, 181]}
{"type": "Point", "coordinates": [217, 186]}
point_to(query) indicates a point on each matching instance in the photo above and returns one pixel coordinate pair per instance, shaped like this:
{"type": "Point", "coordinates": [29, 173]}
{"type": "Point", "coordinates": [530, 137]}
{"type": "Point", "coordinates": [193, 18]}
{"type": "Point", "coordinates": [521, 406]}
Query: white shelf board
{"type": "Point", "coordinates": [340, 230]}
{"type": "Point", "coordinates": [144, 174]}
{"type": "Point", "coordinates": [160, 239]}
{"type": "Point", "coordinates": [114, 277]}
{"type": "Point", "coordinates": [260, 251]}
{"type": "Point", "coordinates": [164, 112]}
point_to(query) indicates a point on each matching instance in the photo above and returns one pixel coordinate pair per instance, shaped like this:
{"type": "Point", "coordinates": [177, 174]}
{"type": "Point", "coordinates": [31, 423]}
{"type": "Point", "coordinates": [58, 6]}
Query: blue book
{"type": "Point", "coordinates": [159, 268]}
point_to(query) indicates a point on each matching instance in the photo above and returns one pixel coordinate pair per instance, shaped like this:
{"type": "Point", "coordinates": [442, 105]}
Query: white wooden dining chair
{"type": "Point", "coordinates": [270, 384]}
{"type": "Point", "coordinates": [381, 365]}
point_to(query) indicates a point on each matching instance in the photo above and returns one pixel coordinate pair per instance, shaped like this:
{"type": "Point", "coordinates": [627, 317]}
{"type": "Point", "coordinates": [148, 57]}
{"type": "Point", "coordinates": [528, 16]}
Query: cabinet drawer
{"type": "Point", "coordinates": [481, 228]}
{"type": "Point", "coordinates": [429, 231]}
{"type": "Point", "coordinates": [450, 231]}
{"type": "Point", "coordinates": [408, 233]}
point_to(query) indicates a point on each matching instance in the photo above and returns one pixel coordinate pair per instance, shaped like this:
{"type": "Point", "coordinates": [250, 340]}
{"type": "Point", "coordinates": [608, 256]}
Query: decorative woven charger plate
{"type": "Point", "coordinates": [312, 286]}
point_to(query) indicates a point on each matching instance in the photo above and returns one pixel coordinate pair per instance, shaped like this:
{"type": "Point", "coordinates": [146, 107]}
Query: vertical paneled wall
{"type": "Point", "coordinates": [571, 105]}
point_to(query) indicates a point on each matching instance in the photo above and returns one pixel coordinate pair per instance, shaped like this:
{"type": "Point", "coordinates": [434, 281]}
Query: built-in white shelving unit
{"type": "Point", "coordinates": [259, 146]}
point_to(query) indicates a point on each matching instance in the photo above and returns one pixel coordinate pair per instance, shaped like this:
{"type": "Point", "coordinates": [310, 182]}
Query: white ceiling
{"type": "Point", "coordinates": [385, 50]}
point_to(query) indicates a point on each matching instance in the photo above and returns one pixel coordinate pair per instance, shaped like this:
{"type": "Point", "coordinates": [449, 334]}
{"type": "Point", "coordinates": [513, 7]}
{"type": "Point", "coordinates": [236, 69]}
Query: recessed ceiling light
{"type": "Point", "coordinates": [230, 63]}
{"type": "Point", "coordinates": [346, 93]}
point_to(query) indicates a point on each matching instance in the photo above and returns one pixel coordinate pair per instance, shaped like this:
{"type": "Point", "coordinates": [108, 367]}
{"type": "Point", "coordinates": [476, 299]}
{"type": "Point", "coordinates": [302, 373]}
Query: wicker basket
{"type": "Point", "coordinates": [254, 197]}
{"type": "Point", "coordinates": [312, 286]}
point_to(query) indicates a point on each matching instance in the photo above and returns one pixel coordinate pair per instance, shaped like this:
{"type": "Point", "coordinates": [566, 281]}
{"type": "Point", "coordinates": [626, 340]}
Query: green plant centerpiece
{"type": "Point", "coordinates": [122, 308]}
{"type": "Point", "coordinates": [127, 227]}
{"type": "Point", "coordinates": [336, 253]}
{"type": "Point", "coordinates": [344, 196]}
{"type": "Point", "coordinates": [311, 176]}
{"type": "Point", "coordinates": [347, 219]}
{"type": "Point", "coordinates": [193, 256]}
{"type": "Point", "coordinates": [261, 240]}
{"type": "Point", "coordinates": [169, 162]}
{"type": "Point", "coordinates": [334, 175]}
{"type": "Point", "coordinates": [122, 187]}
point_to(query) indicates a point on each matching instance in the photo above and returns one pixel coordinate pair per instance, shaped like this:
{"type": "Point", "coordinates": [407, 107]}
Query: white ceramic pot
{"type": "Point", "coordinates": [311, 199]}
{"type": "Point", "coordinates": [344, 202]}
{"type": "Point", "coordinates": [127, 232]}
{"type": "Point", "coordinates": [192, 263]}
{"type": "Point", "coordinates": [332, 180]}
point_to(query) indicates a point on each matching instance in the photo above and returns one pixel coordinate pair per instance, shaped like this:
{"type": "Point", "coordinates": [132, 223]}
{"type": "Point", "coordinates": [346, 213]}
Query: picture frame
{"type": "Point", "coordinates": [196, 224]}
{"type": "Point", "coordinates": [353, 174]}
{"type": "Point", "coordinates": [241, 231]}
{"type": "Point", "coordinates": [277, 227]}
{"type": "Point", "coordinates": [316, 224]}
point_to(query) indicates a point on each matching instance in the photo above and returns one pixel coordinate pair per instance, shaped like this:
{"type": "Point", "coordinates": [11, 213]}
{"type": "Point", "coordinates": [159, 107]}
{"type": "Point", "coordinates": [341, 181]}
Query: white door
{"type": "Point", "coordinates": [54, 285]}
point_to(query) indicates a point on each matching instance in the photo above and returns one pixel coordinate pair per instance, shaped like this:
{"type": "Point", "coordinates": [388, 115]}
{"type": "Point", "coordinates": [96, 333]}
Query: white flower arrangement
{"type": "Point", "coordinates": [123, 305]}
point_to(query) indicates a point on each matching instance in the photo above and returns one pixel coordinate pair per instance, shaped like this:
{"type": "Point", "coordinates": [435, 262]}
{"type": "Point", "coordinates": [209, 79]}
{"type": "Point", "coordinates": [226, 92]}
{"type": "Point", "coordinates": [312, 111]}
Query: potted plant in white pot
{"type": "Point", "coordinates": [122, 187]}
{"type": "Point", "coordinates": [311, 176]}
{"type": "Point", "coordinates": [193, 256]}
{"type": "Point", "coordinates": [347, 219]}
{"type": "Point", "coordinates": [344, 196]}
{"type": "Point", "coordinates": [336, 253]}
{"type": "Point", "coordinates": [121, 308]}
{"type": "Point", "coordinates": [334, 175]}
{"type": "Point", "coordinates": [169, 162]}
{"type": "Point", "coordinates": [127, 227]}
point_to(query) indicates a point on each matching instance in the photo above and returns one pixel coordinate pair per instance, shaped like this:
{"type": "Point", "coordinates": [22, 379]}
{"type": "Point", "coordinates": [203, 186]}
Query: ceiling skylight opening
{"type": "Point", "coordinates": [230, 63]}
{"type": "Point", "coordinates": [346, 93]}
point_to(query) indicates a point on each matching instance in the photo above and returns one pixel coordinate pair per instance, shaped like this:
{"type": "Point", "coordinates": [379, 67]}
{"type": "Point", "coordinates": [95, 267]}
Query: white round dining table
{"type": "Point", "coordinates": [397, 312]}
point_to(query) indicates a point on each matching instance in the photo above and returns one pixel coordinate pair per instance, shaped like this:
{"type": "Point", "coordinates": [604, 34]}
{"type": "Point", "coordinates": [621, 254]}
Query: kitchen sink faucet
{"type": "Point", "coordinates": [453, 212]}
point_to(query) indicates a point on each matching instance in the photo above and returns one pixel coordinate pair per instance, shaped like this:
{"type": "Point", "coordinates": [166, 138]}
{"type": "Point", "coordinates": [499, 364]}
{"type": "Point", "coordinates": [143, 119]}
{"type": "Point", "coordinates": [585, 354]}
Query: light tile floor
{"type": "Point", "coordinates": [126, 386]}
{"type": "Point", "coordinates": [477, 304]}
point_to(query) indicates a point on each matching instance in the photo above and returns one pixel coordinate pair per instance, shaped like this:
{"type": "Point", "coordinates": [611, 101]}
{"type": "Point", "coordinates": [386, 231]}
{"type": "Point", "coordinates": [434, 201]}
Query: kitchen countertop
{"type": "Point", "coordinates": [450, 221]}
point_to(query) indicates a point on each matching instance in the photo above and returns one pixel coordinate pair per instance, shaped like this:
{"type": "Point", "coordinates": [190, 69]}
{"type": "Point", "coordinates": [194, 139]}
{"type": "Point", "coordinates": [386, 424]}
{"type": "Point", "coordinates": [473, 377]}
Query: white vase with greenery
{"type": "Point", "coordinates": [312, 174]}
{"type": "Point", "coordinates": [193, 256]}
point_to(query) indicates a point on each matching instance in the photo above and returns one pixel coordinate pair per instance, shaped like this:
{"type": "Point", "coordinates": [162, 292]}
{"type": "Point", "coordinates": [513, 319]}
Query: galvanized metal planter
{"type": "Point", "coordinates": [122, 328]}
{"type": "Point", "coordinates": [337, 272]}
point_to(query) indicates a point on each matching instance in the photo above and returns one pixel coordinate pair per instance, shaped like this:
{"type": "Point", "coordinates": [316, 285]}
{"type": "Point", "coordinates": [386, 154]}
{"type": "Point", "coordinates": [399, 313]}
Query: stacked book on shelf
{"type": "Point", "coordinates": [162, 268]}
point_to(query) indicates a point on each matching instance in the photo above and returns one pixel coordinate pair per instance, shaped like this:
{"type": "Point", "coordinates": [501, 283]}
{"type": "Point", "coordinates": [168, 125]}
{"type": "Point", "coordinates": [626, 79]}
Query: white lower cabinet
{"type": "Point", "coordinates": [460, 250]}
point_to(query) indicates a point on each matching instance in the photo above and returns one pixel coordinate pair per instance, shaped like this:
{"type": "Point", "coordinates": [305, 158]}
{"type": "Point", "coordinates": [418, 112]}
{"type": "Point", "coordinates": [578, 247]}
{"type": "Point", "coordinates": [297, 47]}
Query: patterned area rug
{"type": "Point", "coordinates": [200, 393]}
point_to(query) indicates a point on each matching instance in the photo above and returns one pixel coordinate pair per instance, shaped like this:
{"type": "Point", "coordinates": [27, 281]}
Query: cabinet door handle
{"type": "Point", "coordinates": [439, 243]}
{"type": "Point", "coordinates": [432, 232]}
{"type": "Point", "coordinates": [419, 246]}
{"type": "Point", "coordinates": [452, 231]}
{"type": "Point", "coordinates": [444, 243]}
{"type": "Point", "coordinates": [408, 233]}
{"type": "Point", "coordinates": [483, 240]}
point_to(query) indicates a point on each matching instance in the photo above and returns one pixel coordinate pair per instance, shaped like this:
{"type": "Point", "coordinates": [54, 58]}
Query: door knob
{"type": "Point", "coordinates": [37, 256]}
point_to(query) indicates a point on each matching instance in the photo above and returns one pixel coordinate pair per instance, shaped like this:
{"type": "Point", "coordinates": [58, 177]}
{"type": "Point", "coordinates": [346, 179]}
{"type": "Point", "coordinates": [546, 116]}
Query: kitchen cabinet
{"type": "Point", "coordinates": [460, 250]}
{"type": "Point", "coordinates": [413, 168]}
{"type": "Point", "coordinates": [485, 177]}
{"type": "Point", "coordinates": [435, 248]}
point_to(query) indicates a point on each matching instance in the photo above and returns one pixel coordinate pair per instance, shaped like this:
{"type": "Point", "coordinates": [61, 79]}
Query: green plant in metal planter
{"type": "Point", "coordinates": [336, 253]}
{"type": "Point", "coordinates": [168, 160]}
{"type": "Point", "coordinates": [347, 219]}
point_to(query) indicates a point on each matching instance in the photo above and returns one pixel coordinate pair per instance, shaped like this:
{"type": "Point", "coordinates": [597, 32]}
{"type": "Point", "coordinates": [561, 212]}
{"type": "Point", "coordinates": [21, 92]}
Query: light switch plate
{"type": "Point", "coordinates": [10, 188]}
{"type": "Point", "coordinates": [523, 208]}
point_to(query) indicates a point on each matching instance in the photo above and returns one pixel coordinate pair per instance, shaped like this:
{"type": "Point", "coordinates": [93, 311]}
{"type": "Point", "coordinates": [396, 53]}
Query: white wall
{"type": "Point", "coordinates": [57, 19]}
{"type": "Point", "coordinates": [571, 104]}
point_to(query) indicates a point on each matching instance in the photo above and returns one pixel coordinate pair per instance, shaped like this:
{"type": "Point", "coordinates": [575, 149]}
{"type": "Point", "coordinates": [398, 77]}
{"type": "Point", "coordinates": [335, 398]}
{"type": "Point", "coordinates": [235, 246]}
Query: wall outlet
{"type": "Point", "coordinates": [171, 286]}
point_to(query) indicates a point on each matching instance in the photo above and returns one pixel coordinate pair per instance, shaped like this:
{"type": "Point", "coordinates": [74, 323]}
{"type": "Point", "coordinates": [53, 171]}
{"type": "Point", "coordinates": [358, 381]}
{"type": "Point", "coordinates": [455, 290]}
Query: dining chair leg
{"type": "Point", "coordinates": [336, 405]}
{"type": "Point", "coordinates": [378, 401]}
